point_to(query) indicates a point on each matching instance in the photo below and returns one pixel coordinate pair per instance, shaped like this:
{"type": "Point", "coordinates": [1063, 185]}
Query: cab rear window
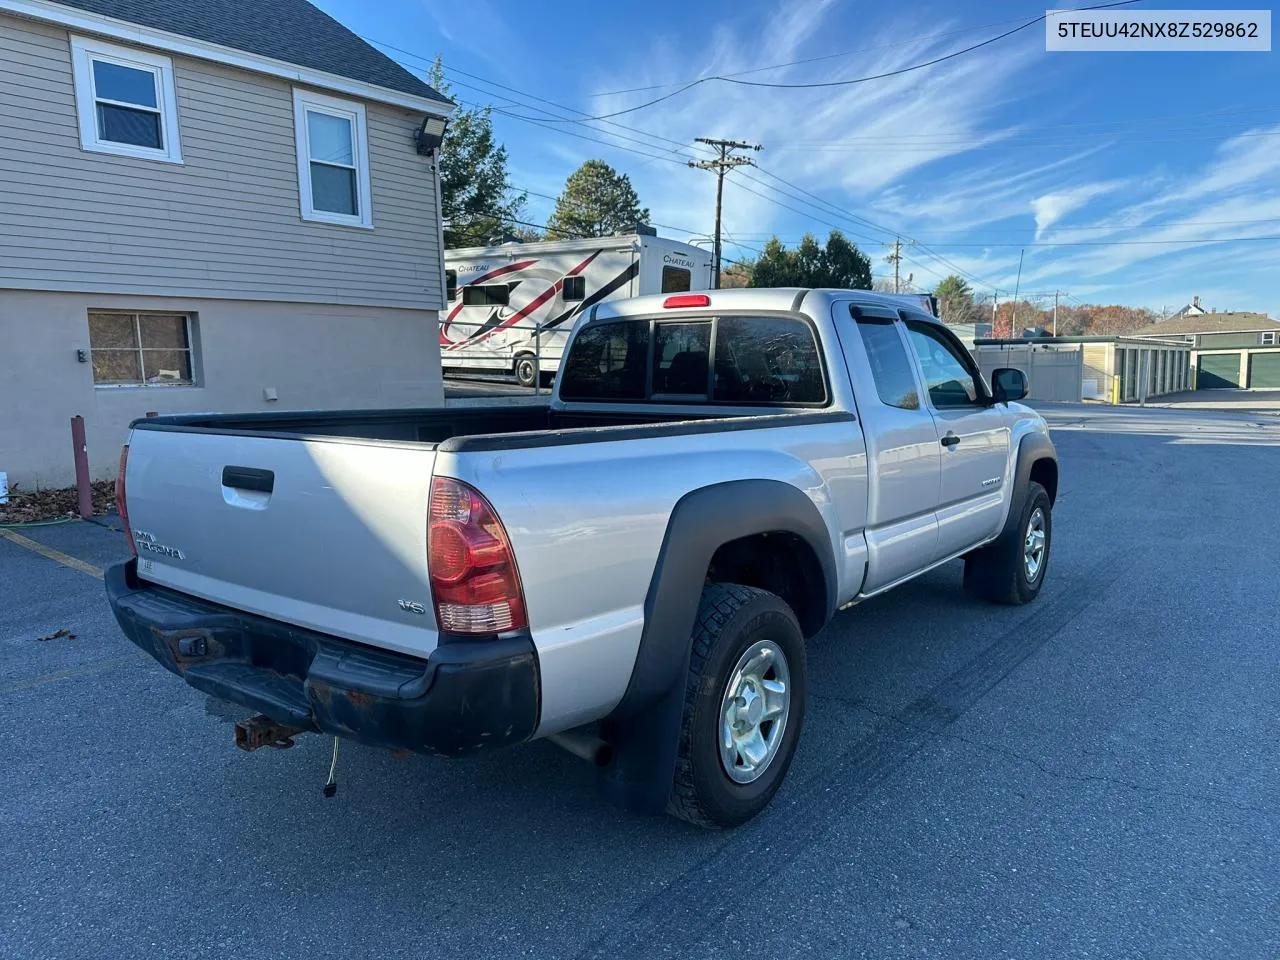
{"type": "Point", "coordinates": [607, 362]}
{"type": "Point", "coordinates": [740, 361]}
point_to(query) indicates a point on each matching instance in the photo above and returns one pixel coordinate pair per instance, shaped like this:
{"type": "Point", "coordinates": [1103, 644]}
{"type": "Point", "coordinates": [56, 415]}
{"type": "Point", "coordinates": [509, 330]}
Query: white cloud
{"type": "Point", "coordinates": [1052, 207]}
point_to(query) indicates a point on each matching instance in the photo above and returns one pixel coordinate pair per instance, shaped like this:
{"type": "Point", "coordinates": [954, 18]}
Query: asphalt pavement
{"type": "Point", "coordinates": [1092, 775]}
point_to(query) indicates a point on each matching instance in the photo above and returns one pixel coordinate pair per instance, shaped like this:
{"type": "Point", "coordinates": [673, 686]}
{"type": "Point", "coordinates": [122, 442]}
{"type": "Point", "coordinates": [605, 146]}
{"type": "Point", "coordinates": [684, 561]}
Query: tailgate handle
{"type": "Point", "coordinates": [249, 478]}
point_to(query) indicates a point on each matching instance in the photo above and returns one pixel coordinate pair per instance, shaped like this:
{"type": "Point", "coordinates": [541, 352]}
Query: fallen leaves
{"type": "Point", "coordinates": [34, 506]}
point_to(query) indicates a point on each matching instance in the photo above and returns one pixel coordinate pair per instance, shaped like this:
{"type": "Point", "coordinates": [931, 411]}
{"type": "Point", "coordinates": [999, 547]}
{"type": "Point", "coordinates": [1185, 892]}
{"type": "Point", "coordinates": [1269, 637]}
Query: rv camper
{"type": "Point", "coordinates": [511, 307]}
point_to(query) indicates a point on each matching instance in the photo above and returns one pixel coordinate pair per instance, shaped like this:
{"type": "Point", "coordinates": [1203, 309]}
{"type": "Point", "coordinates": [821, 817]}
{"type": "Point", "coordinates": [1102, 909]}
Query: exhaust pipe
{"type": "Point", "coordinates": [262, 731]}
{"type": "Point", "coordinates": [584, 746]}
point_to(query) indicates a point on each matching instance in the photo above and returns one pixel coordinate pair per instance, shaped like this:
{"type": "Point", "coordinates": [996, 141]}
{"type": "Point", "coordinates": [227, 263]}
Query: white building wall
{"type": "Point", "coordinates": [314, 356]}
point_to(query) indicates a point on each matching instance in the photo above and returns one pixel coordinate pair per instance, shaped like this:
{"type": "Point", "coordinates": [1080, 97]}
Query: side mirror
{"type": "Point", "coordinates": [1008, 384]}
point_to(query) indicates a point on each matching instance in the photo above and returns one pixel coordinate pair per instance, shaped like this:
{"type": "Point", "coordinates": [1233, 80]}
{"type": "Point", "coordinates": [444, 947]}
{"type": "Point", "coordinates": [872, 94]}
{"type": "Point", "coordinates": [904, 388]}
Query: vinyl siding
{"type": "Point", "coordinates": [1219, 341]}
{"type": "Point", "coordinates": [226, 222]}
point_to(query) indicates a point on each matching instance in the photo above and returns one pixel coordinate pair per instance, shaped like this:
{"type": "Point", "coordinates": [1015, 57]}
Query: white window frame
{"type": "Point", "coordinates": [304, 101]}
{"type": "Point", "coordinates": [1267, 338]}
{"type": "Point", "coordinates": [83, 53]}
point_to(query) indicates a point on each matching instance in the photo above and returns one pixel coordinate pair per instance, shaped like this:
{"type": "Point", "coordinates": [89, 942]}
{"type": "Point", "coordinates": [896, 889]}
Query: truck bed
{"type": "Point", "coordinates": [454, 428]}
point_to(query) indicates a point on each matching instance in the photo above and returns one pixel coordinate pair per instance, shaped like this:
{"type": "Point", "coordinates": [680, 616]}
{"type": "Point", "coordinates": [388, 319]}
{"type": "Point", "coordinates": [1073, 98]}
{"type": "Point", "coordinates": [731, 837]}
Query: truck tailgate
{"type": "Point", "coordinates": [325, 534]}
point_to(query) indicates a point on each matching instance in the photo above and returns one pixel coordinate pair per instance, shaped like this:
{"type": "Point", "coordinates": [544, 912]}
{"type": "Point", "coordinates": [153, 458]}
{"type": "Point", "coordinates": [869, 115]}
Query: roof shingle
{"type": "Point", "coordinates": [294, 31]}
{"type": "Point", "coordinates": [1208, 323]}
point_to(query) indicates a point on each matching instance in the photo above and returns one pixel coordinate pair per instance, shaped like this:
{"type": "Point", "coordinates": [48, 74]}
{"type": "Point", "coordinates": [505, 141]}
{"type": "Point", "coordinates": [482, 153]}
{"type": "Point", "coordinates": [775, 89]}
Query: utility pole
{"type": "Point", "coordinates": [1055, 313]}
{"type": "Point", "coordinates": [722, 165]}
{"type": "Point", "coordinates": [1013, 320]}
{"type": "Point", "coordinates": [896, 259]}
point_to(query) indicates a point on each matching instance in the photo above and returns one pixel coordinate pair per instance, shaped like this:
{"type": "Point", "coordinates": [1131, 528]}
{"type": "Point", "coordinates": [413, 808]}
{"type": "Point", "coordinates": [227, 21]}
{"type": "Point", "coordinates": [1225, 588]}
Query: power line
{"type": "Point", "coordinates": [1114, 243]}
{"type": "Point", "coordinates": [806, 60]}
{"type": "Point", "coordinates": [844, 83]}
{"type": "Point", "coordinates": [528, 96]}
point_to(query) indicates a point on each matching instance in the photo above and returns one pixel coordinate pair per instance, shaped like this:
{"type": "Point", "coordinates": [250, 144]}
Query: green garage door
{"type": "Point", "coordinates": [1264, 370]}
{"type": "Point", "coordinates": [1218, 370]}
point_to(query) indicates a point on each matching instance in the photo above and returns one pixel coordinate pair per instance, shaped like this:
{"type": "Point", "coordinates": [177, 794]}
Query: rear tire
{"type": "Point", "coordinates": [526, 370]}
{"type": "Point", "coordinates": [743, 708]}
{"type": "Point", "coordinates": [1012, 569]}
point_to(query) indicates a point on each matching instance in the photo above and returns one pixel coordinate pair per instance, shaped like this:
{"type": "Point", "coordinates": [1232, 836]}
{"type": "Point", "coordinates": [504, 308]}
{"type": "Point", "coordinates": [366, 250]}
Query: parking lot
{"type": "Point", "coordinates": [1093, 775]}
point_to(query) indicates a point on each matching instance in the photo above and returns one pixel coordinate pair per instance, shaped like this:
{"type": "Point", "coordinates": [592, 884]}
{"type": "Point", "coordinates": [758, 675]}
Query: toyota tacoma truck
{"type": "Point", "coordinates": [631, 569]}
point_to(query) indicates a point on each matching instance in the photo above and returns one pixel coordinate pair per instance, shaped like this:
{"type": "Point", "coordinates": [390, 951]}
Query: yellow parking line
{"type": "Point", "coordinates": [55, 555]}
{"type": "Point", "coordinates": [87, 669]}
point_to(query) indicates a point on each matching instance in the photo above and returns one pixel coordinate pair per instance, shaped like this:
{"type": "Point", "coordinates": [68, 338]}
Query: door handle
{"type": "Point", "coordinates": [249, 478]}
{"type": "Point", "coordinates": [950, 440]}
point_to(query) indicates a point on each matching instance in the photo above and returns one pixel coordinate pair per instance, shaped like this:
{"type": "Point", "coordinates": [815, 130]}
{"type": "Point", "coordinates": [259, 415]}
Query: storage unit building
{"type": "Point", "coordinates": [1107, 369]}
{"type": "Point", "coordinates": [1256, 368]}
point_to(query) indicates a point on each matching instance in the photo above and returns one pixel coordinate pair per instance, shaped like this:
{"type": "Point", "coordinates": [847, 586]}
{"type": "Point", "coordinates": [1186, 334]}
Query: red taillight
{"type": "Point", "coordinates": [122, 506]}
{"type": "Point", "coordinates": [474, 580]}
{"type": "Point", "coordinates": [687, 300]}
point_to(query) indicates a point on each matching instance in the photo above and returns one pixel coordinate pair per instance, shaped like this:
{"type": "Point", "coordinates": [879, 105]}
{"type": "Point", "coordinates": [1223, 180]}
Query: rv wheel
{"type": "Point", "coordinates": [526, 370]}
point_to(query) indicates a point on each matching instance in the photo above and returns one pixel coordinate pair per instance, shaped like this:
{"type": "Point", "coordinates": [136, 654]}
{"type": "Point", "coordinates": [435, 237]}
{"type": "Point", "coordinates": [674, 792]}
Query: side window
{"type": "Point", "coordinates": [486, 295]}
{"type": "Point", "coordinates": [680, 358]}
{"type": "Point", "coordinates": [575, 288]}
{"type": "Point", "coordinates": [450, 284]}
{"type": "Point", "coordinates": [890, 365]}
{"type": "Point", "coordinates": [675, 280]}
{"type": "Point", "coordinates": [949, 379]}
{"type": "Point", "coordinates": [767, 360]}
{"type": "Point", "coordinates": [607, 362]}
{"type": "Point", "coordinates": [125, 99]}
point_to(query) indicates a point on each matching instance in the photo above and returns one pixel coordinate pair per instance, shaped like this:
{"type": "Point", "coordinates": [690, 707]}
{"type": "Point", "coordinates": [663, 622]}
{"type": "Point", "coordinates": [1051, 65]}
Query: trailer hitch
{"type": "Point", "coordinates": [262, 731]}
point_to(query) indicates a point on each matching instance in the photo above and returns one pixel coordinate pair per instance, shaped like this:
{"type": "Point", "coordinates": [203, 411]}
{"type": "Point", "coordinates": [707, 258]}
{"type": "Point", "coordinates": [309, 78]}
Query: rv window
{"type": "Point", "coordinates": [675, 280]}
{"type": "Point", "coordinates": [680, 359]}
{"type": "Point", "coordinates": [607, 362]}
{"type": "Point", "coordinates": [575, 288]}
{"type": "Point", "coordinates": [450, 284]}
{"type": "Point", "coordinates": [486, 295]}
{"type": "Point", "coordinates": [767, 360]}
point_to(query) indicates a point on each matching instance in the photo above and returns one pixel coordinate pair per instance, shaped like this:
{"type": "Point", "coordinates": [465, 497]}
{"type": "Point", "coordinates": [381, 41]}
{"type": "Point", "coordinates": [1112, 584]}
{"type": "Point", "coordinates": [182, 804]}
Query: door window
{"type": "Point", "coordinates": [890, 365]}
{"type": "Point", "coordinates": [949, 379]}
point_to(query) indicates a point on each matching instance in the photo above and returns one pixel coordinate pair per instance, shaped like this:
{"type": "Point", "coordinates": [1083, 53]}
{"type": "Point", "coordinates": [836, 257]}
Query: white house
{"type": "Point", "coordinates": [206, 205]}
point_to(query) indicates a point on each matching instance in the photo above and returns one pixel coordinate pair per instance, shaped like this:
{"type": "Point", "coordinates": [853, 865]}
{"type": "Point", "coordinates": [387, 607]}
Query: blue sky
{"type": "Point", "coordinates": [975, 157]}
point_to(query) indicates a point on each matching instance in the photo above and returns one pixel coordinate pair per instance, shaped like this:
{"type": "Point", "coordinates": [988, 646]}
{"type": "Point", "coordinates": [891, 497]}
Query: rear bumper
{"type": "Point", "coordinates": [464, 698]}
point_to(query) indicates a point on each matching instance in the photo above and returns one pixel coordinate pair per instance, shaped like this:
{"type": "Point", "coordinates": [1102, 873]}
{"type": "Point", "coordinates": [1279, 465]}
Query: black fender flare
{"type": "Point", "coordinates": [1032, 448]}
{"type": "Point", "coordinates": [644, 727]}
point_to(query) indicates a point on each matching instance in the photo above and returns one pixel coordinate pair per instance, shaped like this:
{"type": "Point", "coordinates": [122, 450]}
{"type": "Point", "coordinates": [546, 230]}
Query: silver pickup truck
{"type": "Point", "coordinates": [631, 570]}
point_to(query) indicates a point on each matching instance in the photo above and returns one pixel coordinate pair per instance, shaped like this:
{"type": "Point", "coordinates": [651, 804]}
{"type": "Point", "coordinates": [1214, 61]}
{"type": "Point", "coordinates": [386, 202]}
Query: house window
{"type": "Point", "coordinates": [125, 101]}
{"type": "Point", "coordinates": [140, 349]}
{"type": "Point", "coordinates": [575, 288]}
{"type": "Point", "coordinates": [1190, 338]}
{"type": "Point", "coordinates": [333, 160]}
{"type": "Point", "coordinates": [1267, 339]}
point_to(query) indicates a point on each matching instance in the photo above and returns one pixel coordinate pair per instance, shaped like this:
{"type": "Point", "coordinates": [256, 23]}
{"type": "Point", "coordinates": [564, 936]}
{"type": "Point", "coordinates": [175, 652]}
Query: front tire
{"type": "Point", "coordinates": [1012, 569]}
{"type": "Point", "coordinates": [526, 370]}
{"type": "Point", "coordinates": [743, 709]}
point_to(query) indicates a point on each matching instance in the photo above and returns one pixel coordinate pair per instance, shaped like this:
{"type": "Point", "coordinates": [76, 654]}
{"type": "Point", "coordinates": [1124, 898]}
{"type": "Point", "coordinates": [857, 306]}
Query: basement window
{"type": "Point", "coordinates": [125, 101]}
{"type": "Point", "coordinates": [140, 349]}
